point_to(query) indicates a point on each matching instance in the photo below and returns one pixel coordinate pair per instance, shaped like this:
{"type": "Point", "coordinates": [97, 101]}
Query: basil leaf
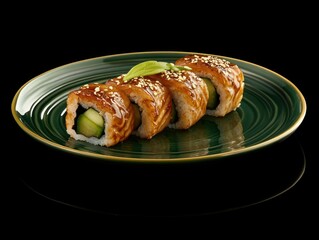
{"type": "Point", "coordinates": [151, 67]}
{"type": "Point", "coordinates": [145, 68]}
{"type": "Point", "coordinates": [177, 68]}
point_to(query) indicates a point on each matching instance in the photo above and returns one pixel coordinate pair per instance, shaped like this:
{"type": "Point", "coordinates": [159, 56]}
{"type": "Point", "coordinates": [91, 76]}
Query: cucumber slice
{"type": "Point", "coordinates": [137, 116]}
{"type": "Point", "coordinates": [213, 99]}
{"type": "Point", "coordinates": [87, 127]}
{"type": "Point", "coordinates": [94, 116]}
{"type": "Point", "coordinates": [174, 114]}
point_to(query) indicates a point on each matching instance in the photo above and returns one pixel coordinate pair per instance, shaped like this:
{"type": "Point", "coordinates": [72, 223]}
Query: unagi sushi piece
{"type": "Point", "coordinates": [99, 114]}
{"type": "Point", "coordinates": [224, 77]}
{"type": "Point", "coordinates": [189, 93]}
{"type": "Point", "coordinates": [152, 100]}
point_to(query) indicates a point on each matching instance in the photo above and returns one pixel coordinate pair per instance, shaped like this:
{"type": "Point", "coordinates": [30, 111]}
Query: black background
{"type": "Point", "coordinates": [284, 44]}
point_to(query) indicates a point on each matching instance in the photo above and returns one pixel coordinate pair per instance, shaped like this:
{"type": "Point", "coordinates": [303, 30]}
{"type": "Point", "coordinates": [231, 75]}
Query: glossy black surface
{"type": "Point", "coordinates": [163, 189]}
{"type": "Point", "coordinates": [269, 190]}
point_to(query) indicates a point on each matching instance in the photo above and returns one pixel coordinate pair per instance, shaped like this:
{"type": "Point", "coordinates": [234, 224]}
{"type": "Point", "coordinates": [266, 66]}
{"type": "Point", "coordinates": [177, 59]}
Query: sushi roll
{"type": "Point", "coordinates": [225, 81]}
{"type": "Point", "coordinates": [152, 103]}
{"type": "Point", "coordinates": [189, 93]}
{"type": "Point", "coordinates": [99, 114]}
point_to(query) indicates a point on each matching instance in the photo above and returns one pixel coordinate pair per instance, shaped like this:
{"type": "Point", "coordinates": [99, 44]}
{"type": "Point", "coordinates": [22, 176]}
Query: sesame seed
{"type": "Point", "coordinates": [212, 61]}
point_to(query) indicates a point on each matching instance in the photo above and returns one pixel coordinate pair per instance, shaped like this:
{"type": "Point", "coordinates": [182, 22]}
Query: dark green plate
{"type": "Point", "coordinates": [271, 110]}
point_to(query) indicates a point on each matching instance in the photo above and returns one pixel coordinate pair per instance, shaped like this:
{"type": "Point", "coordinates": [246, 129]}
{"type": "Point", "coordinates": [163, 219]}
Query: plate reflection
{"type": "Point", "coordinates": [208, 136]}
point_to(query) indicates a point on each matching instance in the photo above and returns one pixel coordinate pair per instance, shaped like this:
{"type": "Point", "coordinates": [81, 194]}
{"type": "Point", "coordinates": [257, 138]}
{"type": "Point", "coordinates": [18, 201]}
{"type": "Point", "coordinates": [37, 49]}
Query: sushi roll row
{"type": "Point", "coordinates": [152, 96]}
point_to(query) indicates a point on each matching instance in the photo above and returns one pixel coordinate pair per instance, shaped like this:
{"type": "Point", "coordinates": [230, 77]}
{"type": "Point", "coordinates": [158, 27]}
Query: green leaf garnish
{"type": "Point", "coordinates": [151, 67]}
